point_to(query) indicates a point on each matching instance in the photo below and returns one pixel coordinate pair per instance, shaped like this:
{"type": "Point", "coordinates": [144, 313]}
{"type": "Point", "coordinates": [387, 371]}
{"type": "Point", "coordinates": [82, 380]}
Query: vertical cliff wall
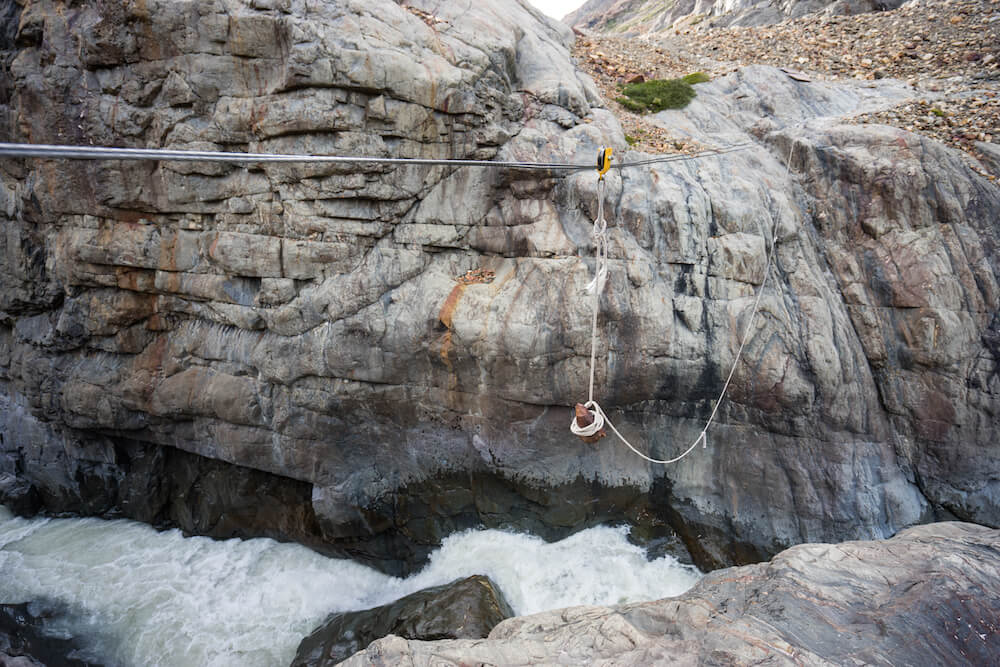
{"type": "Point", "coordinates": [175, 336]}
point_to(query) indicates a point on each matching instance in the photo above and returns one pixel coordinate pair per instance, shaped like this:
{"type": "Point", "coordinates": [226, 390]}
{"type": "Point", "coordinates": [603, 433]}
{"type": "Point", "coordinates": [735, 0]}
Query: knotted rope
{"type": "Point", "coordinates": [600, 235]}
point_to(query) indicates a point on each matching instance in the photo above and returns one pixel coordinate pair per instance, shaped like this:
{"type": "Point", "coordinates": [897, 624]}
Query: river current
{"type": "Point", "coordinates": [138, 596]}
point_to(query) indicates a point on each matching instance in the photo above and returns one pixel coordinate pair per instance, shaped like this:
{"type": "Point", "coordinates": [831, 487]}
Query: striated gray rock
{"type": "Point", "coordinates": [464, 609]}
{"type": "Point", "coordinates": [926, 597]}
{"type": "Point", "coordinates": [650, 16]}
{"type": "Point", "coordinates": [302, 327]}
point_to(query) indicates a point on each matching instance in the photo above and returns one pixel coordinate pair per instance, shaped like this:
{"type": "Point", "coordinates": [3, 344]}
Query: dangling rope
{"type": "Point", "coordinates": [600, 234]}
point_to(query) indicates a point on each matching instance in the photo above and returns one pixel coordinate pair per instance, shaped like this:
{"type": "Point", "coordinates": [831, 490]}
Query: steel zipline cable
{"type": "Point", "coordinates": [49, 151]}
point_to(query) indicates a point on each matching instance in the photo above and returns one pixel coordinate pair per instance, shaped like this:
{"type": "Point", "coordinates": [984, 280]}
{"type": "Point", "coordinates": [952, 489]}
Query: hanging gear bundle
{"type": "Point", "coordinates": [589, 418]}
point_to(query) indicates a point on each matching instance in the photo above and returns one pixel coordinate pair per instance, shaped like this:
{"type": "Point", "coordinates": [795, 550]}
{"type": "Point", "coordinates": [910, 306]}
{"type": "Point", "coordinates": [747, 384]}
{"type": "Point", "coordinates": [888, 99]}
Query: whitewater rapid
{"type": "Point", "coordinates": [137, 596]}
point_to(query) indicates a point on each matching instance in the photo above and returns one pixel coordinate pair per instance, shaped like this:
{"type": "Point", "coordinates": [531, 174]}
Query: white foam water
{"type": "Point", "coordinates": [144, 597]}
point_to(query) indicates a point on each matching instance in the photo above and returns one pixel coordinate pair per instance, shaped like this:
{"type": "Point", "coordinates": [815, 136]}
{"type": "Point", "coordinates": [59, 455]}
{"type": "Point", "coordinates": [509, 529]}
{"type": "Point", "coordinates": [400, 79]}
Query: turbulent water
{"type": "Point", "coordinates": [142, 597]}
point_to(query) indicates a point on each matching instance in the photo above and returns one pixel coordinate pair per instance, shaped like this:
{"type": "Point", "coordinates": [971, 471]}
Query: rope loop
{"type": "Point", "coordinates": [595, 427]}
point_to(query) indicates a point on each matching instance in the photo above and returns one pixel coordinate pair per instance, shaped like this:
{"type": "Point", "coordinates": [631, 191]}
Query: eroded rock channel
{"type": "Point", "coordinates": [287, 350]}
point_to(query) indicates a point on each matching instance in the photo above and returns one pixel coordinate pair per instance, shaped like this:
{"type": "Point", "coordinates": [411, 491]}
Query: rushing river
{"type": "Point", "coordinates": [142, 597]}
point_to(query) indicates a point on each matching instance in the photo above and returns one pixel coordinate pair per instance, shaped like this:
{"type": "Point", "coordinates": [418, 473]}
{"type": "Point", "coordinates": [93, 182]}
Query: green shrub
{"type": "Point", "coordinates": [660, 94]}
{"type": "Point", "coordinates": [696, 77]}
{"type": "Point", "coordinates": [630, 140]}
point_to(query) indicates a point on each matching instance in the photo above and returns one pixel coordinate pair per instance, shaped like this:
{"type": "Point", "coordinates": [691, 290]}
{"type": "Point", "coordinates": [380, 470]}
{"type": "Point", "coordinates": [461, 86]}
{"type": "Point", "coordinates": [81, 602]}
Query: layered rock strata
{"type": "Point", "coordinates": [317, 324]}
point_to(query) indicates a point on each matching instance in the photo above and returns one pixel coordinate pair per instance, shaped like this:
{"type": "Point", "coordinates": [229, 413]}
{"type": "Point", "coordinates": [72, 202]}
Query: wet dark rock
{"type": "Point", "coordinates": [162, 486]}
{"type": "Point", "coordinates": [7, 660]}
{"type": "Point", "coordinates": [393, 532]}
{"type": "Point", "coordinates": [28, 637]}
{"type": "Point", "coordinates": [397, 532]}
{"type": "Point", "coordinates": [19, 495]}
{"type": "Point", "coordinates": [464, 609]}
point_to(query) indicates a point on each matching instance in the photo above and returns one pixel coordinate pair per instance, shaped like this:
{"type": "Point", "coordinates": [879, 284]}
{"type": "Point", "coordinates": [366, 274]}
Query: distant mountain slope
{"type": "Point", "coordinates": [643, 16]}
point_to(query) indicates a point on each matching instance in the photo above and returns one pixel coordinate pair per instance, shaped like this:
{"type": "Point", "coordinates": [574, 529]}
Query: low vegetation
{"type": "Point", "coordinates": [659, 94]}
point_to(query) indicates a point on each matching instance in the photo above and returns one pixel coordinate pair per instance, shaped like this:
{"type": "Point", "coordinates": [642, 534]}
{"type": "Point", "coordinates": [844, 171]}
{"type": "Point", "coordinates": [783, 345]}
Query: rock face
{"type": "Point", "coordinates": [649, 16]}
{"type": "Point", "coordinates": [302, 326]}
{"type": "Point", "coordinates": [925, 597]}
{"type": "Point", "coordinates": [464, 609]}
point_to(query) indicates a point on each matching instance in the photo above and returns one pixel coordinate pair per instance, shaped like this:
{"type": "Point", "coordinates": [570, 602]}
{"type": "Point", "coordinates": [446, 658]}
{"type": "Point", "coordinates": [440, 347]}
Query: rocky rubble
{"type": "Point", "coordinates": [964, 122]}
{"type": "Point", "coordinates": [921, 39]}
{"type": "Point", "coordinates": [614, 62]}
{"type": "Point", "coordinates": [949, 50]}
{"type": "Point", "coordinates": [926, 597]}
{"type": "Point", "coordinates": [632, 17]}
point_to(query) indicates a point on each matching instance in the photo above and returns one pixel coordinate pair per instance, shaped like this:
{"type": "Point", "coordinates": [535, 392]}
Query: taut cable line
{"type": "Point", "coordinates": [51, 151]}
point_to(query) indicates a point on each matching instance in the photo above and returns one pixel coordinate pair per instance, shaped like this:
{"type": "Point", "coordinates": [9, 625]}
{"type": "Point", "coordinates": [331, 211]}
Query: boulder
{"type": "Point", "coordinates": [30, 637]}
{"type": "Point", "coordinates": [464, 609]}
{"type": "Point", "coordinates": [925, 597]}
{"type": "Point", "coordinates": [19, 495]}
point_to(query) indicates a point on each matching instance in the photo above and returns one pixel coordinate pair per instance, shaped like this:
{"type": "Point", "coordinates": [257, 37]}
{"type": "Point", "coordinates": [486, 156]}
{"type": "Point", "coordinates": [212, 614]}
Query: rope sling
{"type": "Point", "coordinates": [597, 416]}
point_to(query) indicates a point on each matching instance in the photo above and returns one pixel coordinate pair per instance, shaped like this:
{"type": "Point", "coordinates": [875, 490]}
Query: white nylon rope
{"type": "Point", "coordinates": [601, 419]}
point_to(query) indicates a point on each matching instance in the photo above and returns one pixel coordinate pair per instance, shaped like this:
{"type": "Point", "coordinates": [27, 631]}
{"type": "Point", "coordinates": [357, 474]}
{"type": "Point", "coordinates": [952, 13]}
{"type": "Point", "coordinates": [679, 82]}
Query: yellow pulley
{"type": "Point", "coordinates": [603, 161]}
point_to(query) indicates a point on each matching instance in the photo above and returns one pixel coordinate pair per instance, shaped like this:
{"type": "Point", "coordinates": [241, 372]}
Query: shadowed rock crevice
{"type": "Point", "coordinates": [162, 486]}
{"type": "Point", "coordinates": [397, 532]}
{"type": "Point", "coordinates": [393, 532]}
